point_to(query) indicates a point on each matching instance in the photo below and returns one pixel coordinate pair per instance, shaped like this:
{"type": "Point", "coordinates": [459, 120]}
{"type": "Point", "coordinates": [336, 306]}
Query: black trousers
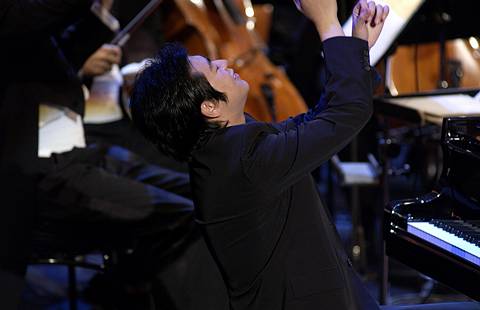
{"type": "Point", "coordinates": [107, 198]}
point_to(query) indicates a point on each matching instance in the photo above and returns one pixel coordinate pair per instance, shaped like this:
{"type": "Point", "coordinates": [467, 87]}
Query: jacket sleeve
{"type": "Point", "coordinates": [27, 17]}
{"type": "Point", "coordinates": [78, 43]}
{"type": "Point", "coordinates": [279, 159]}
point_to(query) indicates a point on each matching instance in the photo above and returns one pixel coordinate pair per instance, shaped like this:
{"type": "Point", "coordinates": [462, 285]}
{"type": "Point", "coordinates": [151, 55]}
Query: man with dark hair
{"type": "Point", "coordinates": [255, 199]}
{"type": "Point", "coordinates": [176, 125]}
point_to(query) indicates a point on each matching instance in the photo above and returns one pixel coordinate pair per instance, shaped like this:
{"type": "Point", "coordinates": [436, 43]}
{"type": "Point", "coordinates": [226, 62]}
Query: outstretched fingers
{"type": "Point", "coordinates": [371, 11]}
{"type": "Point", "coordinates": [380, 14]}
{"type": "Point", "coordinates": [386, 10]}
{"type": "Point", "coordinates": [362, 12]}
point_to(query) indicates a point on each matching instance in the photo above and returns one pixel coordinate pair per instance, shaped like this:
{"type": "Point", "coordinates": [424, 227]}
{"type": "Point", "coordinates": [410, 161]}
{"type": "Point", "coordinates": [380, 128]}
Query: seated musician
{"type": "Point", "coordinates": [255, 199]}
{"type": "Point", "coordinates": [34, 71]}
{"type": "Point", "coordinates": [105, 197]}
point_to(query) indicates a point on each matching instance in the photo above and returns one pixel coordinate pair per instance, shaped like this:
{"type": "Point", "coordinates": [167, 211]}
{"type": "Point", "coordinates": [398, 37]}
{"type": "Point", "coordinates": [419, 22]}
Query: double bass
{"type": "Point", "coordinates": [226, 29]}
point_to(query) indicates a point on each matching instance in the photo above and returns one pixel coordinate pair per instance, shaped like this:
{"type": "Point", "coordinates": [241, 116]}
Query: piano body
{"type": "Point", "coordinates": [438, 233]}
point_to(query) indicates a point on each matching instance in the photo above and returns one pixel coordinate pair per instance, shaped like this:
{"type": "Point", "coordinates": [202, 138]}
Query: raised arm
{"type": "Point", "coordinates": [323, 13]}
{"type": "Point", "coordinates": [280, 159]}
{"type": "Point", "coordinates": [368, 21]}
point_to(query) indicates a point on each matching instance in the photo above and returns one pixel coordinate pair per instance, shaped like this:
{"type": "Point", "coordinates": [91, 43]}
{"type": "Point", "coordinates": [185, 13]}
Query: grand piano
{"type": "Point", "coordinates": [438, 233]}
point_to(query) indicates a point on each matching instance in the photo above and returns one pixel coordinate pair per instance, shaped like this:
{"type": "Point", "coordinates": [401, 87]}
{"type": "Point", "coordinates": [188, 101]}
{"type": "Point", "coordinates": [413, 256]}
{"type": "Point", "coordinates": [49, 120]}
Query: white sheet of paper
{"type": "Point", "coordinates": [435, 108]}
{"type": "Point", "coordinates": [477, 96]}
{"type": "Point", "coordinates": [401, 11]}
{"type": "Point", "coordinates": [60, 130]}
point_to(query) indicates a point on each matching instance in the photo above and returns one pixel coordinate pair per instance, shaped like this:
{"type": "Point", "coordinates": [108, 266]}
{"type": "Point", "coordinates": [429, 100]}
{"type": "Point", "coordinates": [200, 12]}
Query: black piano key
{"type": "Point", "coordinates": [475, 223]}
{"type": "Point", "coordinates": [460, 228]}
{"type": "Point", "coordinates": [470, 237]}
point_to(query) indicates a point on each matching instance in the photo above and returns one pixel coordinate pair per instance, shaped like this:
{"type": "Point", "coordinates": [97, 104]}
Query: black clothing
{"type": "Point", "coordinates": [124, 134]}
{"type": "Point", "coordinates": [105, 197]}
{"type": "Point", "coordinates": [258, 205]}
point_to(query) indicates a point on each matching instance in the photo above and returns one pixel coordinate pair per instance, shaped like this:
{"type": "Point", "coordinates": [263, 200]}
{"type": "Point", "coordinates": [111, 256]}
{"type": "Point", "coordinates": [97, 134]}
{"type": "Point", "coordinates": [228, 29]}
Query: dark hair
{"type": "Point", "coordinates": [166, 99]}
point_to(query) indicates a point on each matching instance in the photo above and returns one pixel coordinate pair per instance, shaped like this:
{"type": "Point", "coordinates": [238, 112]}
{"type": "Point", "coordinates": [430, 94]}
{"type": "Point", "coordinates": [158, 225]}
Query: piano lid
{"type": "Point", "coordinates": [461, 148]}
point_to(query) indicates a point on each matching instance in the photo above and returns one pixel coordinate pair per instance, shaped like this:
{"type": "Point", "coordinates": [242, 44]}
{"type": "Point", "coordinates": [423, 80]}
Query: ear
{"type": "Point", "coordinates": [210, 109]}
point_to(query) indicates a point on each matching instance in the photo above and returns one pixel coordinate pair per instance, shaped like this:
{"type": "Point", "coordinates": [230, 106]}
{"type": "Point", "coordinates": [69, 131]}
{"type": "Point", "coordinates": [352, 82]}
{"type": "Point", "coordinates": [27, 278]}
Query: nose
{"type": "Point", "coordinates": [222, 63]}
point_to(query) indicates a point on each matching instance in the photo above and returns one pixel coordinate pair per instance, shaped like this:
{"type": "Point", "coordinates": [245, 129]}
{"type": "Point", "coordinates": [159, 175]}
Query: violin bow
{"type": "Point", "coordinates": [124, 35]}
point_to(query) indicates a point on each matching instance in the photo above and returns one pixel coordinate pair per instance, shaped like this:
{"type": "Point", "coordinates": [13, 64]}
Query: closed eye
{"type": "Point", "coordinates": [213, 67]}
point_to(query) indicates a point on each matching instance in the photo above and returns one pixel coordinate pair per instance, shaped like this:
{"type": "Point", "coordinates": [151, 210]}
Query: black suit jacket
{"type": "Point", "coordinates": [34, 70]}
{"type": "Point", "coordinates": [258, 205]}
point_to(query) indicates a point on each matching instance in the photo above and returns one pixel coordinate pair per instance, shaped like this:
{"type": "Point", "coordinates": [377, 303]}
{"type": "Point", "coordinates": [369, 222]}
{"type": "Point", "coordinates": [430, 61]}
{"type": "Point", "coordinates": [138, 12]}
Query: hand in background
{"type": "Point", "coordinates": [324, 14]}
{"type": "Point", "coordinates": [102, 60]}
{"type": "Point", "coordinates": [368, 20]}
{"type": "Point", "coordinates": [107, 4]}
{"type": "Point", "coordinates": [319, 11]}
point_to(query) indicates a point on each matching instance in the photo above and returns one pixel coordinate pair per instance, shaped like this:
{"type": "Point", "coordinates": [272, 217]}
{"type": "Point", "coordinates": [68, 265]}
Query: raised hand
{"type": "Point", "coordinates": [102, 60]}
{"type": "Point", "coordinates": [324, 11]}
{"type": "Point", "coordinates": [368, 20]}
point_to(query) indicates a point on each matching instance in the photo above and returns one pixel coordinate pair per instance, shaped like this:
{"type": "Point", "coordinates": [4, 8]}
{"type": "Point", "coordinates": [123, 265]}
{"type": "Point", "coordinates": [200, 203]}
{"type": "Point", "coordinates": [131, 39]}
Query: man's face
{"type": "Point", "coordinates": [226, 81]}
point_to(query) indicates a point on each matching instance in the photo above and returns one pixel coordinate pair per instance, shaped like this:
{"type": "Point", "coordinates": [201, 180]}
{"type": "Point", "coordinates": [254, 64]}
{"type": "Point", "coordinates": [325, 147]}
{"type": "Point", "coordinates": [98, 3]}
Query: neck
{"type": "Point", "coordinates": [236, 121]}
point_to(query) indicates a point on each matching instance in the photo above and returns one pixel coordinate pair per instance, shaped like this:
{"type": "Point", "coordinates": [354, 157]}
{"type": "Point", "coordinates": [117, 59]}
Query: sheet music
{"type": "Point", "coordinates": [435, 108]}
{"type": "Point", "coordinates": [60, 130]}
{"type": "Point", "coordinates": [401, 11]}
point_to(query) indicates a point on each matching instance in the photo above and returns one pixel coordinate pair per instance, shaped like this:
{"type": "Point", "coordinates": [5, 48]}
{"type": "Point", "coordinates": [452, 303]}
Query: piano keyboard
{"type": "Point", "coordinates": [461, 238]}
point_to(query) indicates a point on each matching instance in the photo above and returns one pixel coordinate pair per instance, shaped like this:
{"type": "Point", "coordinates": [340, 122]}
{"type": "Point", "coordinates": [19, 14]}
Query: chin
{"type": "Point", "coordinates": [245, 85]}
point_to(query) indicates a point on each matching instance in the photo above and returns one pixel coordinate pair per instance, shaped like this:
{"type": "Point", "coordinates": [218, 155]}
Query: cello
{"type": "Point", "coordinates": [226, 29]}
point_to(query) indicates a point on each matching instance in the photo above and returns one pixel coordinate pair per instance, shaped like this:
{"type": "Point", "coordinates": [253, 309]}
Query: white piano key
{"type": "Point", "coordinates": [445, 240]}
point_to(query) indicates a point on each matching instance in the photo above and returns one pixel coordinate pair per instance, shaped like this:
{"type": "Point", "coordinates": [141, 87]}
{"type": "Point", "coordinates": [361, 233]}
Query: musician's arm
{"type": "Point", "coordinates": [364, 15]}
{"type": "Point", "coordinates": [322, 105]}
{"type": "Point", "coordinates": [281, 159]}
